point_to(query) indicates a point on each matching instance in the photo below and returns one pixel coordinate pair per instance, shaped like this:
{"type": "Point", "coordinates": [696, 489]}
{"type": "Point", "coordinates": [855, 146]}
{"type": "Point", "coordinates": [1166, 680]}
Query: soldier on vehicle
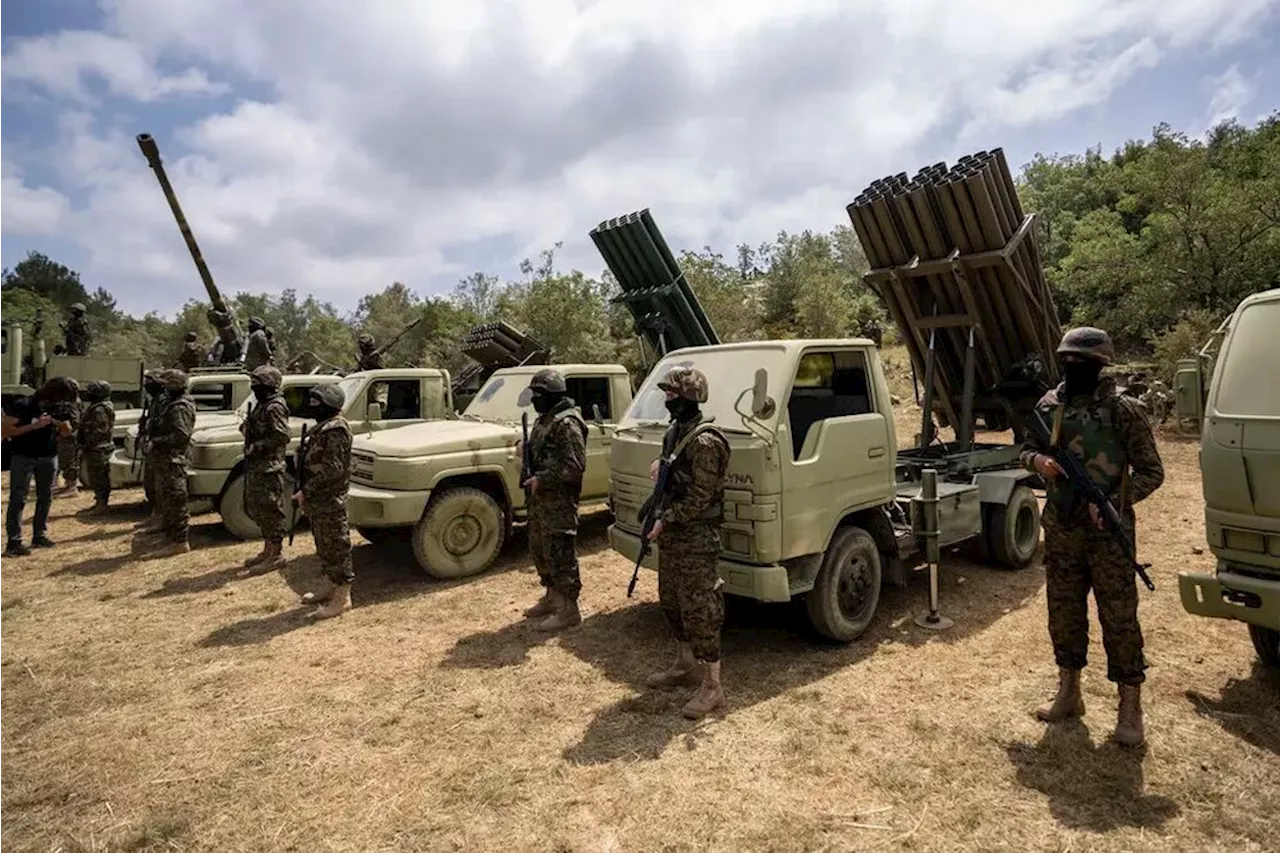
{"type": "Point", "coordinates": [77, 331]}
{"type": "Point", "coordinates": [66, 410]}
{"type": "Point", "coordinates": [688, 537]}
{"type": "Point", "coordinates": [558, 454]}
{"type": "Point", "coordinates": [266, 440]}
{"type": "Point", "coordinates": [192, 355]}
{"type": "Point", "coordinates": [1110, 434]}
{"type": "Point", "coordinates": [95, 441]}
{"type": "Point", "coordinates": [368, 357]}
{"type": "Point", "coordinates": [326, 467]}
{"type": "Point", "coordinates": [170, 437]}
{"type": "Point", "coordinates": [258, 351]}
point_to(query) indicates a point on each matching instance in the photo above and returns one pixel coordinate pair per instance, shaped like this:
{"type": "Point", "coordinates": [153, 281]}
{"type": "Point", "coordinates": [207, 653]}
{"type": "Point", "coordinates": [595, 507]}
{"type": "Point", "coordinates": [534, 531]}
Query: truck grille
{"type": "Point", "coordinates": [362, 467]}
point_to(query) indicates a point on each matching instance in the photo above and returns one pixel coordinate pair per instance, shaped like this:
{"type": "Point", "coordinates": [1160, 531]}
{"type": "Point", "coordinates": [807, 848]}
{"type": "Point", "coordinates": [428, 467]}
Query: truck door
{"type": "Point", "coordinates": [589, 392]}
{"type": "Point", "coordinates": [400, 401]}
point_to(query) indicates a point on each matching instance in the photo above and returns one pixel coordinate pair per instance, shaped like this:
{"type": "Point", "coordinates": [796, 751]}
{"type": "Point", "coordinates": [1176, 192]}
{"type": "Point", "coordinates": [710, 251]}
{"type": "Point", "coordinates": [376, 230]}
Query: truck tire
{"type": "Point", "coordinates": [1014, 530]}
{"type": "Point", "coordinates": [460, 534]}
{"type": "Point", "coordinates": [237, 521]}
{"type": "Point", "coordinates": [847, 590]}
{"type": "Point", "coordinates": [1267, 643]}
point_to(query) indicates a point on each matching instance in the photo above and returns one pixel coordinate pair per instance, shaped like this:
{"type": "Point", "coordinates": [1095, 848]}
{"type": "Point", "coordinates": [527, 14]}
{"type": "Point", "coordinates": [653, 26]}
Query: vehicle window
{"type": "Point", "coordinates": [401, 398]}
{"type": "Point", "coordinates": [827, 385]}
{"type": "Point", "coordinates": [212, 397]}
{"type": "Point", "coordinates": [587, 391]}
{"type": "Point", "coordinates": [1246, 374]}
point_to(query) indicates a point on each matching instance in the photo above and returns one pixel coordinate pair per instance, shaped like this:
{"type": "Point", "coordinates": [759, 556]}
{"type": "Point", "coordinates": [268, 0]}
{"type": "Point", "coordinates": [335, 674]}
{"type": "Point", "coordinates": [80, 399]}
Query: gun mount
{"type": "Point", "coordinates": [220, 315]}
{"type": "Point", "coordinates": [493, 346]}
{"type": "Point", "coordinates": [955, 260]}
{"type": "Point", "coordinates": [667, 313]}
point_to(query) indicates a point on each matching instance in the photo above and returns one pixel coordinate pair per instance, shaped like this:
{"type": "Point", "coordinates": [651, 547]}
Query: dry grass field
{"type": "Point", "coordinates": [165, 705]}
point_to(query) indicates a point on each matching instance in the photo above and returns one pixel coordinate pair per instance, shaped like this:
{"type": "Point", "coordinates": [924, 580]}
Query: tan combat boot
{"type": "Point", "coordinates": [565, 615]}
{"type": "Point", "coordinates": [270, 559]}
{"type": "Point", "coordinates": [321, 595]}
{"type": "Point", "coordinates": [1129, 728]}
{"type": "Point", "coordinates": [1067, 703]}
{"type": "Point", "coordinates": [683, 671]}
{"type": "Point", "coordinates": [99, 507]}
{"type": "Point", "coordinates": [710, 694]}
{"type": "Point", "coordinates": [339, 602]}
{"type": "Point", "coordinates": [172, 549]}
{"type": "Point", "coordinates": [545, 606]}
{"type": "Point", "coordinates": [153, 523]}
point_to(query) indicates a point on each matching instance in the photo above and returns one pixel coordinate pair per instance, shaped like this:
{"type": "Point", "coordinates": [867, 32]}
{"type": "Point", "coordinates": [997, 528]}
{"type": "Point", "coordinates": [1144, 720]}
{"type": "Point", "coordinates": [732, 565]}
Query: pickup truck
{"type": "Point", "coordinates": [456, 483]}
{"type": "Point", "coordinates": [377, 401]}
{"type": "Point", "coordinates": [819, 502]}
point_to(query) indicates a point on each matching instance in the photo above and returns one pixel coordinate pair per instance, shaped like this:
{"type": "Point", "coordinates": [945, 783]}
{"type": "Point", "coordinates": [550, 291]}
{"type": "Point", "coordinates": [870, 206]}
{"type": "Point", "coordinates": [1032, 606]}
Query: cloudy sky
{"type": "Point", "coordinates": [335, 147]}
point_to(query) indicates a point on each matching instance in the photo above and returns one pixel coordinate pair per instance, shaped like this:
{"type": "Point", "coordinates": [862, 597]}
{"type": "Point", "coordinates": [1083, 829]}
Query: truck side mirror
{"type": "Point", "coordinates": [596, 416]}
{"type": "Point", "coordinates": [374, 411]}
{"type": "Point", "coordinates": [762, 405]}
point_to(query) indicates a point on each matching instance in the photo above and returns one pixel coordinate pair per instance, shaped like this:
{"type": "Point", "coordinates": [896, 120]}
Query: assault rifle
{"type": "Point", "coordinates": [244, 493]}
{"type": "Point", "coordinates": [1085, 488]}
{"type": "Point", "coordinates": [299, 479]}
{"type": "Point", "coordinates": [144, 430]}
{"type": "Point", "coordinates": [526, 458]}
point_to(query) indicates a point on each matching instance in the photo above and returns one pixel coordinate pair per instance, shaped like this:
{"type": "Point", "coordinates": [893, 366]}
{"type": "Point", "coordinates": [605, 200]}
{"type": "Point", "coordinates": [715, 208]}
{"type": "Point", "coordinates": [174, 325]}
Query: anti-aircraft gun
{"type": "Point", "coordinates": [220, 315]}
{"type": "Point", "coordinates": [493, 346]}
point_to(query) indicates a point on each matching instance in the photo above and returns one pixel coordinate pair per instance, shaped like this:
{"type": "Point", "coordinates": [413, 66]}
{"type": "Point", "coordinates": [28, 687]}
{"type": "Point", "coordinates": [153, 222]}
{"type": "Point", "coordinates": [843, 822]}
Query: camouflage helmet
{"type": "Point", "coordinates": [78, 306]}
{"type": "Point", "coordinates": [548, 381]}
{"type": "Point", "coordinates": [173, 380]}
{"type": "Point", "coordinates": [687, 382]}
{"type": "Point", "coordinates": [1089, 342]}
{"type": "Point", "coordinates": [266, 375]}
{"type": "Point", "coordinates": [256, 323]}
{"type": "Point", "coordinates": [191, 337]}
{"type": "Point", "coordinates": [98, 389]}
{"type": "Point", "coordinates": [329, 395]}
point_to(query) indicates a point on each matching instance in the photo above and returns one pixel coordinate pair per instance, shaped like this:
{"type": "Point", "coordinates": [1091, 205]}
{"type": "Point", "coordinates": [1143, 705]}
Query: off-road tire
{"type": "Point", "coordinates": [460, 534]}
{"type": "Point", "coordinates": [1014, 530]}
{"type": "Point", "coordinates": [237, 521]}
{"type": "Point", "coordinates": [846, 592]}
{"type": "Point", "coordinates": [1267, 643]}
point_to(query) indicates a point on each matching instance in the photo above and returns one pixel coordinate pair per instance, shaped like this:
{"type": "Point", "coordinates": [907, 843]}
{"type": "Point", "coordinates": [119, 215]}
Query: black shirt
{"type": "Point", "coordinates": [38, 443]}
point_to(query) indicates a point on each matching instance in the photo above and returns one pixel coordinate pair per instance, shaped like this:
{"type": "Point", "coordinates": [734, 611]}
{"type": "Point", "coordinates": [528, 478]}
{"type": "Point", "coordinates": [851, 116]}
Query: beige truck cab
{"type": "Point", "coordinates": [1240, 472]}
{"type": "Point", "coordinates": [376, 401]}
{"type": "Point", "coordinates": [455, 484]}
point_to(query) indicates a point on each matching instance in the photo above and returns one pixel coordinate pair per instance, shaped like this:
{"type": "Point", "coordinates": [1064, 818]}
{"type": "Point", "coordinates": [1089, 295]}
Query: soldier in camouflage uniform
{"type": "Point", "coordinates": [326, 467]}
{"type": "Point", "coordinates": [167, 456]}
{"type": "Point", "coordinates": [558, 452]}
{"type": "Point", "coordinates": [95, 440]}
{"type": "Point", "coordinates": [67, 411]}
{"type": "Point", "coordinates": [191, 356]}
{"type": "Point", "coordinates": [155, 398]}
{"type": "Point", "coordinates": [266, 439]}
{"type": "Point", "coordinates": [368, 358]}
{"type": "Point", "coordinates": [78, 336]}
{"type": "Point", "coordinates": [687, 533]}
{"type": "Point", "coordinates": [258, 350]}
{"type": "Point", "coordinates": [1111, 435]}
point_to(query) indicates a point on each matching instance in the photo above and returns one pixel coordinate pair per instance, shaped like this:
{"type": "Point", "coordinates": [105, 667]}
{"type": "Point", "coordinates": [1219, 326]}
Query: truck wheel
{"type": "Point", "coordinates": [847, 590]}
{"type": "Point", "coordinates": [1267, 642]}
{"type": "Point", "coordinates": [237, 521]}
{"type": "Point", "coordinates": [1014, 532]}
{"type": "Point", "coordinates": [460, 535]}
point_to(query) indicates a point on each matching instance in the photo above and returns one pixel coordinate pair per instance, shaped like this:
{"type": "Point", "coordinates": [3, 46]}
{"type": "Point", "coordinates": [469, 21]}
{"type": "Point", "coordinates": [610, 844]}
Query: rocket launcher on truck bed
{"type": "Point", "coordinates": [493, 346]}
{"type": "Point", "coordinates": [955, 259]}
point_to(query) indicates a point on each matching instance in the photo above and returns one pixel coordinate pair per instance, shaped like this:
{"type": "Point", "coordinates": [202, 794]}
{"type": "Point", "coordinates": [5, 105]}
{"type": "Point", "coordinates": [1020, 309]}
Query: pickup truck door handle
{"type": "Point", "coordinates": [875, 452]}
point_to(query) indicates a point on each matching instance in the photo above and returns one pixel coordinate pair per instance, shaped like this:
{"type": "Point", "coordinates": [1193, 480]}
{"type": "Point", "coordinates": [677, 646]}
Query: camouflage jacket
{"type": "Point", "coordinates": [327, 461]}
{"type": "Point", "coordinates": [96, 425]}
{"type": "Point", "coordinates": [258, 352]}
{"type": "Point", "coordinates": [78, 337]}
{"type": "Point", "coordinates": [1111, 435]}
{"type": "Point", "coordinates": [70, 411]}
{"type": "Point", "coordinates": [190, 357]}
{"type": "Point", "coordinates": [372, 361]}
{"type": "Point", "coordinates": [266, 434]}
{"type": "Point", "coordinates": [170, 430]}
{"type": "Point", "coordinates": [558, 451]}
{"type": "Point", "coordinates": [695, 483]}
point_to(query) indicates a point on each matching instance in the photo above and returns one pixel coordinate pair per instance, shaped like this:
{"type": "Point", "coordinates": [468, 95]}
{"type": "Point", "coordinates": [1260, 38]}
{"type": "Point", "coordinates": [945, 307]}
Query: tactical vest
{"type": "Point", "coordinates": [1090, 428]}
{"type": "Point", "coordinates": [540, 430]}
{"type": "Point", "coordinates": [681, 474]}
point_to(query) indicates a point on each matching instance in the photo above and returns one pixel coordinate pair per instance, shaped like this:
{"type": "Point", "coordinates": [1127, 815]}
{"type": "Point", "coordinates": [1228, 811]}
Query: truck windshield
{"type": "Point", "coordinates": [502, 398]}
{"type": "Point", "coordinates": [1246, 372]}
{"type": "Point", "coordinates": [729, 372]}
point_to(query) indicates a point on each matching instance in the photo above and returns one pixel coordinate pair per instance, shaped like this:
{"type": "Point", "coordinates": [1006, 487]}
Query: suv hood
{"type": "Point", "coordinates": [436, 437]}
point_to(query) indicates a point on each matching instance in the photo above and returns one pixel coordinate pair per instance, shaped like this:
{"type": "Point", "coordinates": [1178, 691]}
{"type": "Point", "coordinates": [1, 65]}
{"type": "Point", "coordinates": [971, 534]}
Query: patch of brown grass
{"type": "Point", "coordinates": [164, 705]}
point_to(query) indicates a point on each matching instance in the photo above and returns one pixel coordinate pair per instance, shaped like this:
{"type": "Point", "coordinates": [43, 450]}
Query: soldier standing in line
{"type": "Point", "coordinates": [95, 441]}
{"type": "Point", "coordinates": [1110, 434]}
{"type": "Point", "coordinates": [688, 537]}
{"type": "Point", "coordinates": [155, 398]}
{"type": "Point", "coordinates": [368, 357]}
{"type": "Point", "coordinates": [266, 440]}
{"type": "Point", "coordinates": [558, 451]}
{"type": "Point", "coordinates": [191, 356]}
{"type": "Point", "coordinates": [67, 411]}
{"type": "Point", "coordinates": [77, 331]}
{"type": "Point", "coordinates": [167, 453]}
{"type": "Point", "coordinates": [326, 467]}
{"type": "Point", "coordinates": [258, 350]}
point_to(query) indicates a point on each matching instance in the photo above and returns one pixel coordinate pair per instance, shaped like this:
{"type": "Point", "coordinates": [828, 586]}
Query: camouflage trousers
{"type": "Point", "coordinates": [98, 463]}
{"type": "Point", "coordinates": [149, 483]}
{"type": "Point", "coordinates": [69, 459]}
{"type": "Point", "coordinates": [263, 496]}
{"type": "Point", "coordinates": [170, 483]}
{"type": "Point", "coordinates": [554, 550]}
{"type": "Point", "coordinates": [1079, 558]}
{"type": "Point", "coordinates": [333, 538]}
{"type": "Point", "coordinates": [689, 586]}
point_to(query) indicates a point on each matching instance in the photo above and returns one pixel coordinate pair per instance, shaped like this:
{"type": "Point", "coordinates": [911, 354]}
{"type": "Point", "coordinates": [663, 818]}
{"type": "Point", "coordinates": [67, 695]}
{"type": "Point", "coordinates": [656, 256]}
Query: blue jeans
{"type": "Point", "coordinates": [21, 470]}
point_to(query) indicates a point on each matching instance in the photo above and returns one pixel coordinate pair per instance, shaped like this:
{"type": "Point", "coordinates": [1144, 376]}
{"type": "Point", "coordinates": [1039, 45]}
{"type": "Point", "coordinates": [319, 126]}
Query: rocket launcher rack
{"type": "Point", "coordinates": [956, 261]}
{"type": "Point", "coordinates": [667, 313]}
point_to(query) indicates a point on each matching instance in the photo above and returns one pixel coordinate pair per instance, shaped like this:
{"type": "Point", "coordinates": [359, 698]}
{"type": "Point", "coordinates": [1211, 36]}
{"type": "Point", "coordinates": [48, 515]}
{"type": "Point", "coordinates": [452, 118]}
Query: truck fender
{"type": "Point", "coordinates": [469, 473]}
{"type": "Point", "coordinates": [996, 487]}
{"type": "Point", "coordinates": [238, 470]}
{"type": "Point", "coordinates": [804, 570]}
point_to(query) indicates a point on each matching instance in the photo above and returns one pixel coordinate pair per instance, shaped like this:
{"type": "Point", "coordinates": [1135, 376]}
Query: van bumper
{"type": "Point", "coordinates": [370, 507]}
{"type": "Point", "coordinates": [122, 470]}
{"type": "Point", "coordinates": [767, 582]}
{"type": "Point", "coordinates": [1227, 595]}
{"type": "Point", "coordinates": [206, 482]}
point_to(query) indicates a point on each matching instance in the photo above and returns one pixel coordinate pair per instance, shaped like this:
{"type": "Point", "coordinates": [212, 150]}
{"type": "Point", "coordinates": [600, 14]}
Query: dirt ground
{"type": "Point", "coordinates": [164, 705]}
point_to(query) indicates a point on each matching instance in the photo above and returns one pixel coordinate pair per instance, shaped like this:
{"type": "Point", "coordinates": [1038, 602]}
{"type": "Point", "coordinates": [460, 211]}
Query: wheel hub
{"type": "Point", "coordinates": [853, 588]}
{"type": "Point", "coordinates": [462, 535]}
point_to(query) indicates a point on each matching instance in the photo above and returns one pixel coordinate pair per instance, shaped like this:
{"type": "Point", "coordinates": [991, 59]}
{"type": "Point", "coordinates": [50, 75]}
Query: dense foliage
{"type": "Point", "coordinates": [1156, 243]}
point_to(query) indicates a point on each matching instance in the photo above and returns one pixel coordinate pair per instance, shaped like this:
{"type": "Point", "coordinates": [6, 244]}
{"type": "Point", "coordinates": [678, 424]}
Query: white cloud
{"type": "Point", "coordinates": [385, 141]}
{"type": "Point", "coordinates": [1232, 92]}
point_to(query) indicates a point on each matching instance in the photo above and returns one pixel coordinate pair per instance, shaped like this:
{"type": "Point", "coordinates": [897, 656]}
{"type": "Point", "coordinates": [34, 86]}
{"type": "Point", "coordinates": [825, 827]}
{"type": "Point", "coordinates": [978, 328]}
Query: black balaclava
{"type": "Point", "coordinates": [323, 412]}
{"type": "Point", "coordinates": [682, 409]}
{"type": "Point", "coordinates": [175, 393]}
{"type": "Point", "coordinates": [153, 387]}
{"type": "Point", "coordinates": [1081, 377]}
{"type": "Point", "coordinates": [262, 393]}
{"type": "Point", "coordinates": [545, 401]}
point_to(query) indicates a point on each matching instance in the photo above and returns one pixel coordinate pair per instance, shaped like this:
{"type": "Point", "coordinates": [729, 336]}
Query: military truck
{"type": "Point", "coordinates": [820, 504]}
{"type": "Point", "coordinates": [377, 401]}
{"type": "Point", "coordinates": [455, 484]}
{"type": "Point", "coordinates": [1240, 472]}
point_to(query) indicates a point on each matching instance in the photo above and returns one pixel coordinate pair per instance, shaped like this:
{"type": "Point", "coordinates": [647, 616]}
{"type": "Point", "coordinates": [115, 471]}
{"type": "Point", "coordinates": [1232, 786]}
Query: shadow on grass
{"type": "Point", "coordinates": [1249, 708]}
